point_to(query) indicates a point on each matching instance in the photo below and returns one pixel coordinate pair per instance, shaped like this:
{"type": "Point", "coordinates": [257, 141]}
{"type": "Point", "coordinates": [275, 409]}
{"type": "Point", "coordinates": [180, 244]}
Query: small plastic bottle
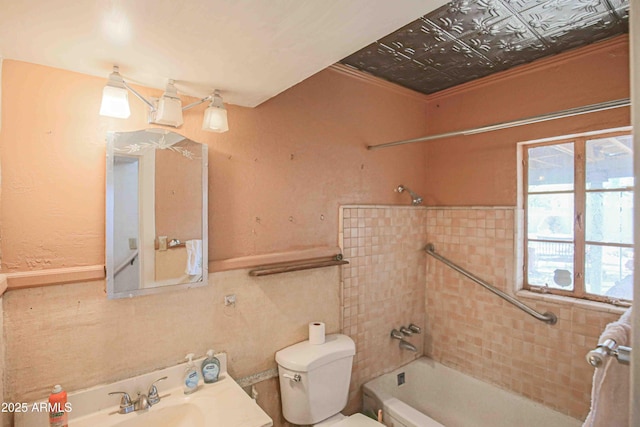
{"type": "Point", "coordinates": [210, 368]}
{"type": "Point", "coordinates": [58, 416]}
{"type": "Point", "coordinates": [191, 376]}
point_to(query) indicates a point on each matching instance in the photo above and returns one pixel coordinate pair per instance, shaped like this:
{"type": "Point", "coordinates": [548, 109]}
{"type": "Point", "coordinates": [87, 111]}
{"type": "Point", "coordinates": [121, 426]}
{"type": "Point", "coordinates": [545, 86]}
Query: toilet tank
{"type": "Point", "coordinates": [324, 372]}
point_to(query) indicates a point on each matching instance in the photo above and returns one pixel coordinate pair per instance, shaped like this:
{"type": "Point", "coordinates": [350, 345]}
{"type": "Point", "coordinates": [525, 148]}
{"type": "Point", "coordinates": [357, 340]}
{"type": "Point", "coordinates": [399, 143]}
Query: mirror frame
{"type": "Point", "coordinates": [112, 293]}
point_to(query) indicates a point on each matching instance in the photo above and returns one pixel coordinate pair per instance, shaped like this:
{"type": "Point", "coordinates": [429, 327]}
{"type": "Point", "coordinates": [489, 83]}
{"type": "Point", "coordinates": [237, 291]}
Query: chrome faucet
{"type": "Point", "coordinates": [408, 346]}
{"type": "Point", "coordinates": [143, 402]}
{"type": "Point", "coordinates": [400, 334]}
{"type": "Point", "coordinates": [396, 334]}
{"type": "Point", "coordinates": [415, 328]}
{"type": "Point", "coordinates": [153, 395]}
{"type": "Point", "coordinates": [406, 331]}
{"type": "Point", "coordinates": [126, 405]}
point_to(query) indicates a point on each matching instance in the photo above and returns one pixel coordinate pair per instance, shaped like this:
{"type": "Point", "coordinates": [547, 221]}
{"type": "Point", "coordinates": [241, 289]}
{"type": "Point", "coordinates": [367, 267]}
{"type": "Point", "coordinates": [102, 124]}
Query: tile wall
{"type": "Point", "coordinates": [383, 286]}
{"type": "Point", "coordinates": [466, 327]}
{"type": "Point", "coordinates": [474, 331]}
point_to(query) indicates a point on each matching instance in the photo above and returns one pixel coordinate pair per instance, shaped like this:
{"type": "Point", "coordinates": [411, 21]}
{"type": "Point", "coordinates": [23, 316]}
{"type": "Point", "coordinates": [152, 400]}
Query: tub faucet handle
{"type": "Point", "coordinates": [415, 328]}
{"type": "Point", "coordinates": [396, 334]}
{"type": "Point", "coordinates": [406, 331]}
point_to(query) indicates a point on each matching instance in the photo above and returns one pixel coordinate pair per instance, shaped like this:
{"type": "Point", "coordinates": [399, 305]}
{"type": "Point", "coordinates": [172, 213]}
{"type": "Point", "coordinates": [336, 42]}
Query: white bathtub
{"type": "Point", "coordinates": [435, 395]}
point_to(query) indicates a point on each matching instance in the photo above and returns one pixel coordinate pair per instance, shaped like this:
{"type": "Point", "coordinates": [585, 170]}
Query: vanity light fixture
{"type": "Point", "coordinates": [215, 116]}
{"type": "Point", "coordinates": [115, 99]}
{"type": "Point", "coordinates": [167, 110]}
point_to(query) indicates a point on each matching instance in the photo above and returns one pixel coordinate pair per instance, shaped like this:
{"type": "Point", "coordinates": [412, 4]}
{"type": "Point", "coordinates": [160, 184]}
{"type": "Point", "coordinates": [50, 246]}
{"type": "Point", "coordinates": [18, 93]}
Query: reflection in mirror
{"type": "Point", "coordinates": [156, 212]}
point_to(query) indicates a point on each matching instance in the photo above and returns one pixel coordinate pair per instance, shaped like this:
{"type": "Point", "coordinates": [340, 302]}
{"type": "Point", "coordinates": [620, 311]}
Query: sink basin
{"type": "Point", "coordinates": [183, 415]}
{"type": "Point", "coordinates": [221, 404]}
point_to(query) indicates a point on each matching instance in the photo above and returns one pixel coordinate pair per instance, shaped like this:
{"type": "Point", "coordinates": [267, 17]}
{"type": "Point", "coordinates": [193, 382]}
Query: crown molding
{"type": "Point", "coordinates": [377, 81]}
{"type": "Point", "coordinates": [535, 66]}
{"type": "Point", "coordinates": [520, 70]}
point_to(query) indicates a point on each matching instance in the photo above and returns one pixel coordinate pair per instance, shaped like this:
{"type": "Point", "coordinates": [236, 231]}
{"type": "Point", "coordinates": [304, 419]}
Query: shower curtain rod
{"type": "Point", "coordinates": [514, 123]}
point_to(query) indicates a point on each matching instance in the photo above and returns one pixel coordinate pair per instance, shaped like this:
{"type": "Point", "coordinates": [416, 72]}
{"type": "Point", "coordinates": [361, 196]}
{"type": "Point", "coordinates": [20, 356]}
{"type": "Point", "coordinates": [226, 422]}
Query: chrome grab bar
{"type": "Point", "coordinates": [597, 356]}
{"type": "Point", "coordinates": [547, 317]}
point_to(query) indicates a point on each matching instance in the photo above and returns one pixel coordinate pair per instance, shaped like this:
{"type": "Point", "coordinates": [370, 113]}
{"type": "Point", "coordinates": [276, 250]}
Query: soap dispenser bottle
{"type": "Point", "coordinates": [210, 368]}
{"type": "Point", "coordinates": [191, 376]}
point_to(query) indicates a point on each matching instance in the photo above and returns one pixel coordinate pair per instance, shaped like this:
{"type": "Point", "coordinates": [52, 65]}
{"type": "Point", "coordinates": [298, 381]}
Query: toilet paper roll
{"type": "Point", "coordinates": [316, 333]}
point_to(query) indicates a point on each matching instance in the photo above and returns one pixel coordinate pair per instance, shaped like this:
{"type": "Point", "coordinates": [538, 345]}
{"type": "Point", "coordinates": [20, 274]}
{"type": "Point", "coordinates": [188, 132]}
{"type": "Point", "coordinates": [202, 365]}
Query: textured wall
{"type": "Point", "coordinates": [481, 170]}
{"type": "Point", "coordinates": [276, 178]}
{"type": "Point", "coordinates": [383, 287]}
{"type": "Point", "coordinates": [276, 181]}
{"type": "Point", "coordinates": [474, 331]}
{"type": "Point", "coordinates": [72, 335]}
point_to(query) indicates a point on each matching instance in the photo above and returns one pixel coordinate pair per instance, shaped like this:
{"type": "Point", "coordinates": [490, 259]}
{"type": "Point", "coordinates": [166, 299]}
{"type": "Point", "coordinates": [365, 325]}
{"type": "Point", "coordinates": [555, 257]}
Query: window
{"type": "Point", "coordinates": [579, 217]}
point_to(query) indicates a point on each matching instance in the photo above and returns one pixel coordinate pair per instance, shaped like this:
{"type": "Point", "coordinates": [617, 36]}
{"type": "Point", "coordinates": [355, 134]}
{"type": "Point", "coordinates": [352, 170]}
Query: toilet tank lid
{"type": "Point", "coordinates": [305, 356]}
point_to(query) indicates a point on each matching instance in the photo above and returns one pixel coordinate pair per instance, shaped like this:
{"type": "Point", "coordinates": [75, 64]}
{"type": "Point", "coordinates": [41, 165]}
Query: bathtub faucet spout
{"type": "Point", "coordinates": [408, 346]}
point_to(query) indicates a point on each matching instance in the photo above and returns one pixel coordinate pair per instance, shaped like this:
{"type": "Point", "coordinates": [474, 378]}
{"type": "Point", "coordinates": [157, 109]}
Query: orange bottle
{"type": "Point", "coordinates": [58, 416]}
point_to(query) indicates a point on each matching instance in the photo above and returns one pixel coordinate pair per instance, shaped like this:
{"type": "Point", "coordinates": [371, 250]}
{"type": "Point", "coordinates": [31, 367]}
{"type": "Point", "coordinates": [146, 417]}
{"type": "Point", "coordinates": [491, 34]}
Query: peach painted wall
{"type": "Point", "coordinates": [289, 162]}
{"type": "Point", "coordinates": [469, 329]}
{"type": "Point", "coordinates": [178, 195]}
{"type": "Point", "coordinates": [481, 169]}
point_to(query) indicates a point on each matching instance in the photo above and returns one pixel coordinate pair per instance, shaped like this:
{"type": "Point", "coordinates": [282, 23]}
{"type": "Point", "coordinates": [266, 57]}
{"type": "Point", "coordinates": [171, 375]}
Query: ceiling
{"type": "Point", "coordinates": [468, 39]}
{"type": "Point", "coordinates": [249, 49]}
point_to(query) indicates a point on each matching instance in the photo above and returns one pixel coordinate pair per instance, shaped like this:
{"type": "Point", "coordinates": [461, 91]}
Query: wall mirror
{"type": "Point", "coordinates": [156, 213]}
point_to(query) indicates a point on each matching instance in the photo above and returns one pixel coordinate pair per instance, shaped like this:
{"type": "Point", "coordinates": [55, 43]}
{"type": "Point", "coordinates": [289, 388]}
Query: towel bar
{"type": "Point", "coordinates": [597, 356]}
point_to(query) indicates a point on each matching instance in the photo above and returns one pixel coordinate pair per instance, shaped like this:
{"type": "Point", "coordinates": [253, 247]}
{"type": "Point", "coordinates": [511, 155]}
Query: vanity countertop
{"type": "Point", "coordinates": [223, 403]}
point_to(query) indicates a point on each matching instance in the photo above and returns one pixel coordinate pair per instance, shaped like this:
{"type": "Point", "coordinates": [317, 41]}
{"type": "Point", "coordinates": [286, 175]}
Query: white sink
{"type": "Point", "coordinates": [222, 403]}
{"type": "Point", "coordinates": [181, 415]}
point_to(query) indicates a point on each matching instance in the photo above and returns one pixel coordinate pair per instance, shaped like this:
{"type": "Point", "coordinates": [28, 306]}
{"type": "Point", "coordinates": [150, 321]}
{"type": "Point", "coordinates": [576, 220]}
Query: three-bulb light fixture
{"type": "Point", "coordinates": [166, 110]}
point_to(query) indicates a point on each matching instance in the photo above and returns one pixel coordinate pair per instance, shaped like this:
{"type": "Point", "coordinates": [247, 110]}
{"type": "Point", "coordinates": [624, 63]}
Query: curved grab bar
{"type": "Point", "coordinates": [547, 317]}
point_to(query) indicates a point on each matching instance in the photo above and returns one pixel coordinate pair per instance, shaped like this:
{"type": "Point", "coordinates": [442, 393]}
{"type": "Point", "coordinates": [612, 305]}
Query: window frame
{"type": "Point", "coordinates": [579, 214]}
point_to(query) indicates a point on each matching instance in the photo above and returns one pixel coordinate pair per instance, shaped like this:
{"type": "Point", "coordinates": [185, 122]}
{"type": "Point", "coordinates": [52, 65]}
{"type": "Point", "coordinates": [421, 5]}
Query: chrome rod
{"type": "Point", "coordinates": [609, 347]}
{"type": "Point", "coordinates": [547, 317]}
{"type": "Point", "coordinates": [592, 108]}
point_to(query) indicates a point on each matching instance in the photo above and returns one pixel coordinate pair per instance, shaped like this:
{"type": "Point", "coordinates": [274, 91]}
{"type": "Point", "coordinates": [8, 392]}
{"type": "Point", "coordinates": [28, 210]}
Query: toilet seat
{"type": "Point", "coordinates": [358, 420]}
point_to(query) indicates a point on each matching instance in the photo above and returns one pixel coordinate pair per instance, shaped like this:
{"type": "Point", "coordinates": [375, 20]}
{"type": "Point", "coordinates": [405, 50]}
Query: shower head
{"type": "Point", "coordinates": [415, 199]}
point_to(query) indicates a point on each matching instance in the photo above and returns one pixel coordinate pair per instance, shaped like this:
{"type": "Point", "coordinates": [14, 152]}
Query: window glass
{"type": "Point", "coordinates": [550, 216]}
{"type": "Point", "coordinates": [579, 233]}
{"type": "Point", "coordinates": [609, 271]}
{"type": "Point", "coordinates": [609, 162]}
{"type": "Point", "coordinates": [550, 264]}
{"type": "Point", "coordinates": [551, 168]}
{"type": "Point", "coordinates": [609, 217]}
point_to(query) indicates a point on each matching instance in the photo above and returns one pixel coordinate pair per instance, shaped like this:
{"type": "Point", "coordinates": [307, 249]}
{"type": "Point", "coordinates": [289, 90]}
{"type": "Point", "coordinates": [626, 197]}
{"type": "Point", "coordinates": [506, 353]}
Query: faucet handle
{"type": "Point", "coordinates": [126, 405]}
{"type": "Point", "coordinates": [406, 331]}
{"type": "Point", "coordinates": [153, 397]}
{"type": "Point", "coordinates": [396, 334]}
{"type": "Point", "coordinates": [415, 328]}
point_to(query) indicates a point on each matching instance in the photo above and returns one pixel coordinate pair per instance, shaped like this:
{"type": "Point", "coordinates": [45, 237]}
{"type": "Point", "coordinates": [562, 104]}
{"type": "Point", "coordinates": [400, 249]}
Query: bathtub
{"type": "Point", "coordinates": [434, 395]}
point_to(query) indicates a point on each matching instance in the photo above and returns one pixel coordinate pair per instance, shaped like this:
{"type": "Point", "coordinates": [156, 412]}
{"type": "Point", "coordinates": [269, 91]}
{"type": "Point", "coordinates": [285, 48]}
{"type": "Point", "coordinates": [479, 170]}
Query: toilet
{"type": "Point", "coordinates": [314, 383]}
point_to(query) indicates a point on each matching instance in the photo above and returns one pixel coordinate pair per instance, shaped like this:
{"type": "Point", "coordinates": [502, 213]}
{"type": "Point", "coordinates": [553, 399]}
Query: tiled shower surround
{"type": "Point", "coordinates": [390, 281]}
{"type": "Point", "coordinates": [383, 286]}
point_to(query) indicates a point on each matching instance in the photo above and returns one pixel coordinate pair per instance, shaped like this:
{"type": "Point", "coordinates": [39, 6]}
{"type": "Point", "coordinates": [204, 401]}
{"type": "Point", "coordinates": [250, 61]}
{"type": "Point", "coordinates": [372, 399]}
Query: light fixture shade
{"type": "Point", "coordinates": [169, 112]}
{"type": "Point", "coordinates": [115, 102]}
{"type": "Point", "coordinates": [215, 120]}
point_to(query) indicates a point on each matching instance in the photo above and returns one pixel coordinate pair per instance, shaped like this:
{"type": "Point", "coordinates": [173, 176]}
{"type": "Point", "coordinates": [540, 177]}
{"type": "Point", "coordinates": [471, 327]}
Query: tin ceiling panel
{"type": "Point", "coordinates": [468, 39]}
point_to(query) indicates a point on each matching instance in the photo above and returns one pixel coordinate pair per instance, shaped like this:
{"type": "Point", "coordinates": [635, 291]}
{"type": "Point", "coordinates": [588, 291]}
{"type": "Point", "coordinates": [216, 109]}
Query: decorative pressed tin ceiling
{"type": "Point", "coordinates": [468, 39]}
